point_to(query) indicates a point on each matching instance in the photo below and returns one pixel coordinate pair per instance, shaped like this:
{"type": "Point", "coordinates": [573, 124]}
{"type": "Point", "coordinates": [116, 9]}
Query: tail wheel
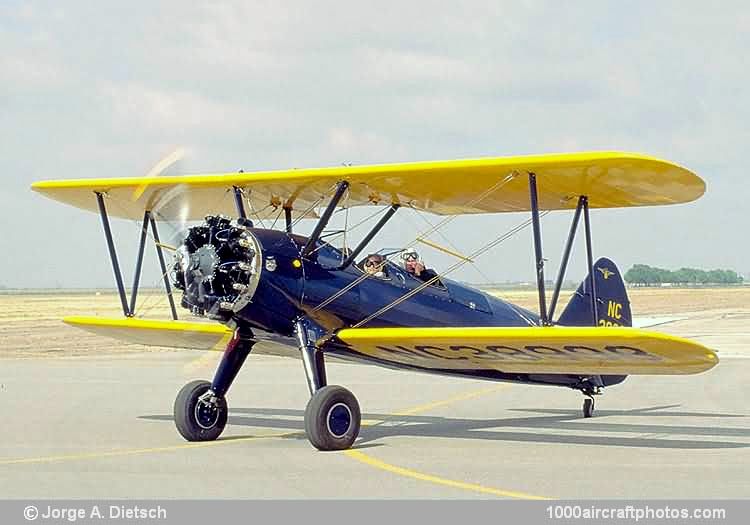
{"type": "Point", "coordinates": [199, 414]}
{"type": "Point", "coordinates": [332, 418]}
{"type": "Point", "coordinates": [588, 407]}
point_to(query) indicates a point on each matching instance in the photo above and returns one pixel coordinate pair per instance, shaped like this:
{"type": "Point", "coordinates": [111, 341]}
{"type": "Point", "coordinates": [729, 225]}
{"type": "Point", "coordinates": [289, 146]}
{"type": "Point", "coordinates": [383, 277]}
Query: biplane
{"type": "Point", "coordinates": [278, 292]}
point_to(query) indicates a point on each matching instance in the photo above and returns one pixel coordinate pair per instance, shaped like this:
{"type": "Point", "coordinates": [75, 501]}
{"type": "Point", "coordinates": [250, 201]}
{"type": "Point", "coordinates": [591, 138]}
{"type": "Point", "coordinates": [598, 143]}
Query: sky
{"type": "Point", "coordinates": [91, 89]}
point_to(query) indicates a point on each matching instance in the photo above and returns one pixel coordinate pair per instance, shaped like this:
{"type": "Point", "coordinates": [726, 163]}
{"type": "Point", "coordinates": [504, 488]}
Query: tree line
{"type": "Point", "coordinates": [645, 275]}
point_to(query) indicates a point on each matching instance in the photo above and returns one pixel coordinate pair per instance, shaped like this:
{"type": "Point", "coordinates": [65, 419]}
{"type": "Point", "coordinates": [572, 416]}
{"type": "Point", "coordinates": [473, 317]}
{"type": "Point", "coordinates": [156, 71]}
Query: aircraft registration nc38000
{"type": "Point", "coordinates": [277, 292]}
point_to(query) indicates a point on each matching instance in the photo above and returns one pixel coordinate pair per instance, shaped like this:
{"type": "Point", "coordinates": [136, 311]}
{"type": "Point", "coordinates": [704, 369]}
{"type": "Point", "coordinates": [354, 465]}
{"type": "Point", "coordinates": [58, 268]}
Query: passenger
{"type": "Point", "coordinates": [374, 265]}
{"type": "Point", "coordinates": [415, 266]}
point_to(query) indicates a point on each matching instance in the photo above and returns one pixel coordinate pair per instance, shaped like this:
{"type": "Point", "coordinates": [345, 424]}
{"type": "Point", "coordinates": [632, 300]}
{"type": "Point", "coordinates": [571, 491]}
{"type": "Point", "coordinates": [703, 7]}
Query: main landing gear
{"type": "Point", "coordinates": [200, 410]}
{"type": "Point", "coordinates": [332, 416]}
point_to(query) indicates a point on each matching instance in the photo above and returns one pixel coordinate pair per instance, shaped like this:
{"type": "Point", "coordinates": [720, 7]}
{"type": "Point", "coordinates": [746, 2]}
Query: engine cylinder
{"type": "Point", "coordinates": [217, 267]}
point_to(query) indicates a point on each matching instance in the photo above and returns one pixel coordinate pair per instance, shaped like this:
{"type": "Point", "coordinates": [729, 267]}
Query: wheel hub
{"type": "Point", "coordinates": [206, 411]}
{"type": "Point", "coordinates": [339, 420]}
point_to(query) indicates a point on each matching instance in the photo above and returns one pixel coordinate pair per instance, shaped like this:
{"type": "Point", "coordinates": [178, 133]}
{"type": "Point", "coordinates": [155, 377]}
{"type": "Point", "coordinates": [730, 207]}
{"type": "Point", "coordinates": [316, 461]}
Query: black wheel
{"type": "Point", "coordinates": [588, 407]}
{"type": "Point", "coordinates": [199, 419]}
{"type": "Point", "coordinates": [332, 418]}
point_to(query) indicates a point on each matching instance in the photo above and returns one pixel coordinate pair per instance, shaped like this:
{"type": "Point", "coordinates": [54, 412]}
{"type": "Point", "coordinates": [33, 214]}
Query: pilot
{"type": "Point", "coordinates": [374, 265]}
{"type": "Point", "coordinates": [415, 266]}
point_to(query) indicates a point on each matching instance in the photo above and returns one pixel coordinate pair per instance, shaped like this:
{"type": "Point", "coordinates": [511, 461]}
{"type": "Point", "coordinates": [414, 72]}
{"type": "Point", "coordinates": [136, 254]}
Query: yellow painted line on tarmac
{"type": "Point", "coordinates": [401, 471]}
{"type": "Point", "coordinates": [449, 401]}
{"type": "Point", "coordinates": [136, 451]}
{"type": "Point", "coordinates": [429, 406]}
{"type": "Point", "coordinates": [430, 478]}
{"type": "Point", "coordinates": [354, 454]}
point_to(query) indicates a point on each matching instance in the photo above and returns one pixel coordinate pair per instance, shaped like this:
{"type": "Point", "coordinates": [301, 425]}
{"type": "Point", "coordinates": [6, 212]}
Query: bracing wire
{"type": "Point", "coordinates": [440, 224]}
{"type": "Point", "coordinates": [476, 200]}
{"type": "Point", "coordinates": [314, 205]}
{"type": "Point", "coordinates": [433, 280]}
{"type": "Point", "coordinates": [452, 244]}
{"type": "Point", "coordinates": [278, 216]}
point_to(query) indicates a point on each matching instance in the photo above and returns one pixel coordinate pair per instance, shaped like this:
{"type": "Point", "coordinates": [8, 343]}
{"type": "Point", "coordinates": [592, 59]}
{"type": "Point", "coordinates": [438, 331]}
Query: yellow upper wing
{"type": "Point", "coordinates": [540, 350]}
{"type": "Point", "coordinates": [609, 179]}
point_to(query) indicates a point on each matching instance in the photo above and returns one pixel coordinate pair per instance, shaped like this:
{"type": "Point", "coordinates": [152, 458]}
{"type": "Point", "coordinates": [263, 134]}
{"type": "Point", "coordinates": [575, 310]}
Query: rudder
{"type": "Point", "coordinates": [613, 306]}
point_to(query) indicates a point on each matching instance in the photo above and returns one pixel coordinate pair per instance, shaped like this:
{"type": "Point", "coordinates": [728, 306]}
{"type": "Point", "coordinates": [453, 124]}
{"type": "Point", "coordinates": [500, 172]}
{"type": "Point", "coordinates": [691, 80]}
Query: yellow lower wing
{"type": "Point", "coordinates": [540, 350]}
{"type": "Point", "coordinates": [193, 335]}
{"type": "Point", "coordinates": [174, 334]}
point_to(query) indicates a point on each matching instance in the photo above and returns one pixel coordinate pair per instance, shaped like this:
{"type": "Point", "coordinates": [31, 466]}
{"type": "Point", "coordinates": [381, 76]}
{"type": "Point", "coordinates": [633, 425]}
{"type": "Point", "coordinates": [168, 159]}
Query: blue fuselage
{"type": "Point", "coordinates": [291, 286]}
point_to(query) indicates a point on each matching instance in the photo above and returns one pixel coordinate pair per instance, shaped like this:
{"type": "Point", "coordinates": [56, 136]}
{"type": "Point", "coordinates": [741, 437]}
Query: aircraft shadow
{"type": "Point", "coordinates": [532, 429]}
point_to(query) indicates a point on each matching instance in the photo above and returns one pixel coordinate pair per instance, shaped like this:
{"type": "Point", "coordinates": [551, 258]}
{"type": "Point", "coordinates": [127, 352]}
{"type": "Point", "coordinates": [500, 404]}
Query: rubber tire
{"type": "Point", "coordinates": [316, 414]}
{"type": "Point", "coordinates": [184, 413]}
{"type": "Point", "coordinates": [588, 407]}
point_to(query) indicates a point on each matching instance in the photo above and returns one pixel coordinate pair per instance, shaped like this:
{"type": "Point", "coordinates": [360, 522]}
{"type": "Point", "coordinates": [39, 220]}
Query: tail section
{"type": "Point", "coordinates": [613, 306]}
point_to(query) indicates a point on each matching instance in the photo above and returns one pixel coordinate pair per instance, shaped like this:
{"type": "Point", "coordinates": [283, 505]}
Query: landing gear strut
{"type": "Point", "coordinates": [332, 416]}
{"type": "Point", "coordinates": [200, 410]}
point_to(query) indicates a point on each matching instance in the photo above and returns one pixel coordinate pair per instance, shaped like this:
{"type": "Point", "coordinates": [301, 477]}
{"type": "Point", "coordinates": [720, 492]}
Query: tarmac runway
{"type": "Point", "coordinates": [101, 427]}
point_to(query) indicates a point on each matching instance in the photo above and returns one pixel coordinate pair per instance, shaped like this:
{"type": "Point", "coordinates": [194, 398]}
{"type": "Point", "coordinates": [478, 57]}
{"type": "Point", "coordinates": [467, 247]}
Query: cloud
{"type": "Point", "coordinates": [87, 91]}
{"type": "Point", "coordinates": [163, 111]}
{"type": "Point", "coordinates": [348, 143]}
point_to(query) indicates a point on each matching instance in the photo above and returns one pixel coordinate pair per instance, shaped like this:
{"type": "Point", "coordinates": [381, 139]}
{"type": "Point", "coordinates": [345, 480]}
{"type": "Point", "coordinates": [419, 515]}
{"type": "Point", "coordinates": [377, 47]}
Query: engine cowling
{"type": "Point", "coordinates": [218, 268]}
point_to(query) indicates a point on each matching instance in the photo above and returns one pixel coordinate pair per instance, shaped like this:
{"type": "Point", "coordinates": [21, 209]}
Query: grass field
{"type": "Point", "coordinates": [30, 323]}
